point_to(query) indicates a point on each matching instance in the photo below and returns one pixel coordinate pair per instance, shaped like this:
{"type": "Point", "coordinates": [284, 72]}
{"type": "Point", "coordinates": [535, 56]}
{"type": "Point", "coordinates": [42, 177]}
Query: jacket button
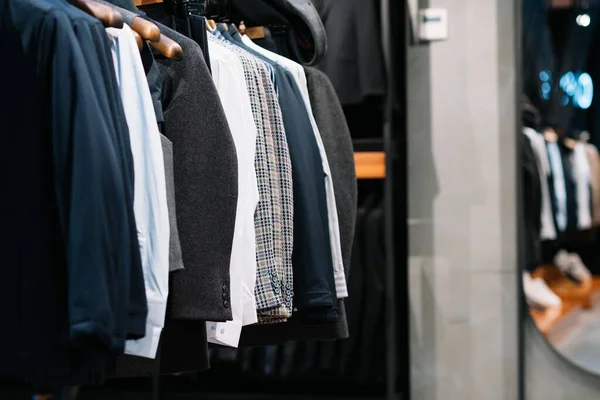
{"type": "Point", "coordinates": [225, 289]}
{"type": "Point", "coordinates": [225, 303]}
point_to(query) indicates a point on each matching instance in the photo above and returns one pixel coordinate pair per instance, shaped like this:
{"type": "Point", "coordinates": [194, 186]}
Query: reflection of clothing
{"type": "Point", "coordinates": [573, 59]}
{"type": "Point", "coordinates": [581, 176]}
{"type": "Point", "coordinates": [594, 163]}
{"type": "Point", "coordinates": [559, 185]}
{"type": "Point", "coordinates": [571, 203]}
{"type": "Point", "coordinates": [535, 220]}
{"type": "Point", "coordinates": [538, 146]}
{"type": "Point", "coordinates": [538, 53]}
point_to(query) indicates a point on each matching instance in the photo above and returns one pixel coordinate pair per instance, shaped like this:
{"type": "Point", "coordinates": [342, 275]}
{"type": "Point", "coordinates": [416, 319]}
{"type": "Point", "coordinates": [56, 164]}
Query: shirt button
{"type": "Point", "coordinates": [225, 303]}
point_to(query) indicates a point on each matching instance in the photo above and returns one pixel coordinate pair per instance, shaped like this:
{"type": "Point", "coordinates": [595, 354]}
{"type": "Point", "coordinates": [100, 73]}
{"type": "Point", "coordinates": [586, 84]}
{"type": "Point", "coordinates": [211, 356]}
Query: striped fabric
{"type": "Point", "coordinates": [273, 219]}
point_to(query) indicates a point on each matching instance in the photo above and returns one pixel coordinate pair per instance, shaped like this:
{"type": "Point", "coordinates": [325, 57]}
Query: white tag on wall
{"type": "Point", "coordinates": [433, 24]}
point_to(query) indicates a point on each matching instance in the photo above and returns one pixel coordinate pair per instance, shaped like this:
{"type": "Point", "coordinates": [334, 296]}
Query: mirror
{"type": "Point", "coordinates": [560, 169]}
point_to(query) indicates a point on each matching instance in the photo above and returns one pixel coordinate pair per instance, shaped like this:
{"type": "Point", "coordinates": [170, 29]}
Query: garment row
{"type": "Point", "coordinates": [561, 190]}
{"type": "Point", "coordinates": [143, 191]}
{"type": "Point", "coordinates": [356, 360]}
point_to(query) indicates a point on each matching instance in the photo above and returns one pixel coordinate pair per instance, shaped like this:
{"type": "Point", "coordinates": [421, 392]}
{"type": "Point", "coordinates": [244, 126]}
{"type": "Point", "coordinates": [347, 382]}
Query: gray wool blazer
{"type": "Point", "coordinates": [205, 166]}
{"type": "Point", "coordinates": [205, 169]}
{"type": "Point", "coordinates": [195, 125]}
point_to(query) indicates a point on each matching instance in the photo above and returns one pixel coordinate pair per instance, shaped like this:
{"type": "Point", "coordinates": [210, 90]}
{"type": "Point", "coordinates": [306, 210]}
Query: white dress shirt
{"type": "Point", "coordinates": [150, 191]}
{"type": "Point", "coordinates": [582, 178]}
{"type": "Point", "coordinates": [560, 187]}
{"type": "Point", "coordinates": [538, 145]}
{"type": "Point", "coordinates": [334, 226]}
{"type": "Point", "coordinates": [228, 76]}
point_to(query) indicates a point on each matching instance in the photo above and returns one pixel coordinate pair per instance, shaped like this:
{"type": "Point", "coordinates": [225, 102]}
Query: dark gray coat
{"type": "Point", "coordinates": [205, 166]}
{"type": "Point", "coordinates": [334, 131]}
{"type": "Point", "coordinates": [354, 60]}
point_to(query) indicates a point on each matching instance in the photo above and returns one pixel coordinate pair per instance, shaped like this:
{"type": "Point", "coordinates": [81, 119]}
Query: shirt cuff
{"type": "Point", "coordinates": [157, 310]}
{"type": "Point", "coordinates": [146, 346]}
{"type": "Point", "coordinates": [249, 316]}
{"type": "Point", "coordinates": [224, 333]}
{"type": "Point", "coordinates": [341, 289]}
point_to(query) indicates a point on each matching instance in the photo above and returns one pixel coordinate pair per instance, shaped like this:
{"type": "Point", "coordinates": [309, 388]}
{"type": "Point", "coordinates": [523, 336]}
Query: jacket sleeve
{"type": "Point", "coordinates": [205, 167]}
{"type": "Point", "coordinates": [91, 195]}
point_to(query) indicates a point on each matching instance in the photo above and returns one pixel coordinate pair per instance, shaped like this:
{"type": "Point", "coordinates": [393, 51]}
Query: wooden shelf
{"type": "Point", "coordinates": [146, 2]}
{"type": "Point", "coordinates": [370, 165]}
{"type": "Point", "coordinates": [576, 298]}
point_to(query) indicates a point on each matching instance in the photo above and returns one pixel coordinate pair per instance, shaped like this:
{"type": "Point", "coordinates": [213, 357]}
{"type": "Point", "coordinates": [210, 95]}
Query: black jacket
{"type": "Point", "coordinates": [532, 205]}
{"type": "Point", "coordinates": [354, 61]}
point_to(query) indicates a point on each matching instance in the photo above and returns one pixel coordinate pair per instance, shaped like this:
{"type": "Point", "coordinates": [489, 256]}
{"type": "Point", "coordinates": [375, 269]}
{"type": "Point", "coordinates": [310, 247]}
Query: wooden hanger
{"type": "Point", "coordinates": [256, 32]}
{"type": "Point", "coordinates": [570, 143]}
{"type": "Point", "coordinates": [209, 28]}
{"type": "Point", "coordinates": [550, 135]}
{"type": "Point", "coordinates": [212, 23]}
{"type": "Point", "coordinates": [242, 28]}
{"type": "Point", "coordinates": [235, 28]}
{"type": "Point", "coordinates": [108, 16]}
{"type": "Point", "coordinates": [168, 48]}
{"type": "Point", "coordinates": [146, 29]}
{"type": "Point", "coordinates": [138, 40]}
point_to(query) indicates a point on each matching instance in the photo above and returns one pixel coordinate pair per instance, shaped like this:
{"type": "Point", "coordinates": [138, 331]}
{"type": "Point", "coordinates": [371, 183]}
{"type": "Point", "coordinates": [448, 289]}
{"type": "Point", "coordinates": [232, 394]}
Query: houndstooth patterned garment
{"type": "Point", "coordinates": [271, 294]}
{"type": "Point", "coordinates": [287, 200]}
{"type": "Point", "coordinates": [283, 186]}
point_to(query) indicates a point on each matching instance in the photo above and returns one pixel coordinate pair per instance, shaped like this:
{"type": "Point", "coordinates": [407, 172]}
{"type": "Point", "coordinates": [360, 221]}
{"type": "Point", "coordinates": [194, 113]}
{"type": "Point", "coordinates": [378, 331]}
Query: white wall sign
{"type": "Point", "coordinates": [433, 24]}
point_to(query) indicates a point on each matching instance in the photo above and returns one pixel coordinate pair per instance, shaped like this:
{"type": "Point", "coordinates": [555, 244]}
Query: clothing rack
{"type": "Point", "coordinates": [391, 166]}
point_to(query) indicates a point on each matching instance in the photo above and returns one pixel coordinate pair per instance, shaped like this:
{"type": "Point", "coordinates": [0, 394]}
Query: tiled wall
{"type": "Point", "coordinates": [462, 171]}
{"type": "Point", "coordinates": [462, 266]}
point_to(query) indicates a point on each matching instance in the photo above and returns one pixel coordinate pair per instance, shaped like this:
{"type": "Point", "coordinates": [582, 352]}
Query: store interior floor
{"type": "Point", "coordinates": [579, 343]}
